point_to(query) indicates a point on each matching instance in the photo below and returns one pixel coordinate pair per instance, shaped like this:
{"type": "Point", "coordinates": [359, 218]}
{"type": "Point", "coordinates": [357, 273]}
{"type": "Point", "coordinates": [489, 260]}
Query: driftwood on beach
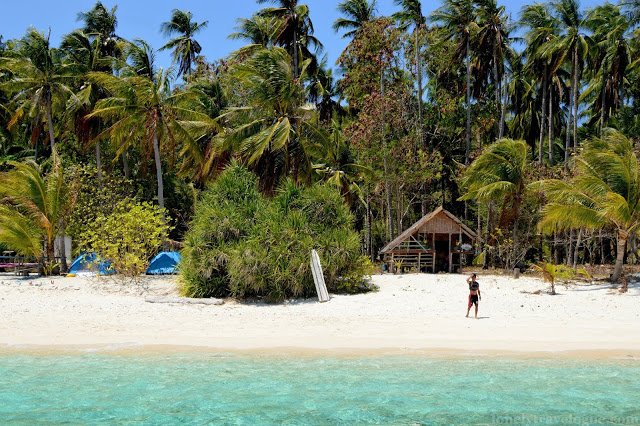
{"type": "Point", "coordinates": [169, 299]}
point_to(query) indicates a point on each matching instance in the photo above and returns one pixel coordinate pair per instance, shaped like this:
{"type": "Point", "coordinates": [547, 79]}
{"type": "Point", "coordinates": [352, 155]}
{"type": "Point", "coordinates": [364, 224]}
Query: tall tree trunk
{"type": "Point", "coordinates": [51, 256]}
{"type": "Point", "coordinates": [575, 98]}
{"type": "Point", "coordinates": [544, 107]}
{"type": "Point", "coordinates": [468, 146]}
{"type": "Point", "coordinates": [50, 126]}
{"type": "Point", "coordinates": [423, 186]}
{"type": "Point", "coordinates": [369, 245]}
{"type": "Point", "coordinates": [387, 183]}
{"type": "Point", "coordinates": [156, 154]}
{"type": "Point", "coordinates": [567, 143]}
{"type": "Point", "coordinates": [576, 250]}
{"type": "Point", "coordinates": [295, 49]}
{"type": "Point", "coordinates": [419, 76]}
{"type": "Point", "coordinates": [496, 80]}
{"type": "Point", "coordinates": [556, 244]}
{"type": "Point", "coordinates": [63, 248]}
{"type": "Point", "coordinates": [504, 107]}
{"type": "Point", "coordinates": [125, 165]}
{"type": "Point", "coordinates": [570, 248]}
{"type": "Point", "coordinates": [622, 243]}
{"type": "Point", "coordinates": [604, 83]}
{"type": "Point", "coordinates": [551, 135]}
{"type": "Point", "coordinates": [99, 163]}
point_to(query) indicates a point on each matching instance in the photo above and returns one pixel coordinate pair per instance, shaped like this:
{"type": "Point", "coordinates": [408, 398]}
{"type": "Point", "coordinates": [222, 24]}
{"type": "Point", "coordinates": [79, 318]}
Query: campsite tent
{"type": "Point", "coordinates": [88, 264]}
{"type": "Point", "coordinates": [165, 262]}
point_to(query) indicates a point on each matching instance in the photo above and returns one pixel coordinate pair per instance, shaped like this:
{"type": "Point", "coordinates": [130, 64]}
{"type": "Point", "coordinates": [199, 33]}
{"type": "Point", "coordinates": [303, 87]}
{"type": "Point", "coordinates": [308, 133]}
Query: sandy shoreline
{"type": "Point", "coordinates": [411, 314]}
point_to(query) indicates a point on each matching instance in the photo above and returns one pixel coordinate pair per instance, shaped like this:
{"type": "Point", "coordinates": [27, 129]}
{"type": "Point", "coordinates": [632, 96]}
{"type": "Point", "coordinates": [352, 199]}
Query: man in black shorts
{"type": "Point", "coordinates": [474, 293]}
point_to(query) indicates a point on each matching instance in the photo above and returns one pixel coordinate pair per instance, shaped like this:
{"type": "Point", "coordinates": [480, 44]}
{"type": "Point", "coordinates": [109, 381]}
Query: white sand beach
{"type": "Point", "coordinates": [411, 313]}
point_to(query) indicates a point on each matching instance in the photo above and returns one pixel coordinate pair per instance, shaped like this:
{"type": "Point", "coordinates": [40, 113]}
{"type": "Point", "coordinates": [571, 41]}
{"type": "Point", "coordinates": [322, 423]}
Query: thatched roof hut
{"type": "Point", "coordinates": [437, 242]}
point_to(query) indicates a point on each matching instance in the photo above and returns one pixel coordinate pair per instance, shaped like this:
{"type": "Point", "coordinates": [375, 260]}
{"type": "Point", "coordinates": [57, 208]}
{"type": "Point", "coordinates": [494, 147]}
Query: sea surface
{"type": "Point", "coordinates": [201, 388]}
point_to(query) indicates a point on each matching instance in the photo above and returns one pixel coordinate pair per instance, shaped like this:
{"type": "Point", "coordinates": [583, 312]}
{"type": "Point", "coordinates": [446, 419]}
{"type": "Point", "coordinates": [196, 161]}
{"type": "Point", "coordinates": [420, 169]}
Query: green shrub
{"type": "Point", "coordinates": [128, 236]}
{"type": "Point", "coordinates": [93, 198]}
{"type": "Point", "coordinates": [224, 215]}
{"type": "Point", "coordinates": [242, 245]}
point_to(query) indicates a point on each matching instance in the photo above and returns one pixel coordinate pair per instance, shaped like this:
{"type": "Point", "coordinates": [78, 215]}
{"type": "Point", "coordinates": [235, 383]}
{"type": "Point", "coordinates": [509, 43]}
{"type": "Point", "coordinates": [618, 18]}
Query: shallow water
{"type": "Point", "coordinates": [269, 389]}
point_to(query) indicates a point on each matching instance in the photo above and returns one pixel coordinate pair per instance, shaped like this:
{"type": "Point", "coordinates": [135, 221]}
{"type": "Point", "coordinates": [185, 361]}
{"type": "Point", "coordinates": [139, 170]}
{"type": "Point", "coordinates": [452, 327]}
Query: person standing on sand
{"type": "Point", "coordinates": [474, 293]}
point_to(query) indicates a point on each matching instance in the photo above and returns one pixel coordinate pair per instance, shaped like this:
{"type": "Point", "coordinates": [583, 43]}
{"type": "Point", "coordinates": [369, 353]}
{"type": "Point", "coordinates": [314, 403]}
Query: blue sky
{"type": "Point", "coordinates": [142, 18]}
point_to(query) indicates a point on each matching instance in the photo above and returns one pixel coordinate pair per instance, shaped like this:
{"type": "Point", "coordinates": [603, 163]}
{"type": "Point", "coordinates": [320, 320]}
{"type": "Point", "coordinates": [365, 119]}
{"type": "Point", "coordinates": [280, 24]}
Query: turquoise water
{"type": "Point", "coordinates": [270, 389]}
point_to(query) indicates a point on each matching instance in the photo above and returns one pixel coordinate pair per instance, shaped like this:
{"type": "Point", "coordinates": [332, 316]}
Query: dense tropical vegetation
{"type": "Point", "coordinates": [525, 127]}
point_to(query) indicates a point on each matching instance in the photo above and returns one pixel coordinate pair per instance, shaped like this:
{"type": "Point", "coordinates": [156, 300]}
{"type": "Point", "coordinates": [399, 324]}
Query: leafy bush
{"type": "Point", "coordinates": [242, 245]}
{"type": "Point", "coordinates": [94, 198]}
{"type": "Point", "coordinates": [128, 236]}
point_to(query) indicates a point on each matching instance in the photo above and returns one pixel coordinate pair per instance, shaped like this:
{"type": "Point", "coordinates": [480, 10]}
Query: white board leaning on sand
{"type": "Point", "coordinates": [318, 277]}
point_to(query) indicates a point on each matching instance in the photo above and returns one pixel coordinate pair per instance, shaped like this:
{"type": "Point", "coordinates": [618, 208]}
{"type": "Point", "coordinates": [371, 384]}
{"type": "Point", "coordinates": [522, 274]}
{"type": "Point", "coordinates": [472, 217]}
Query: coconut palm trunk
{"type": "Point", "coordinates": [63, 248]}
{"type": "Point", "coordinates": [622, 244]}
{"type": "Point", "coordinates": [125, 165]}
{"type": "Point", "coordinates": [99, 163]}
{"type": "Point", "coordinates": [576, 250]}
{"type": "Point", "coordinates": [295, 49]}
{"type": "Point", "coordinates": [468, 146]}
{"type": "Point", "coordinates": [495, 79]}
{"type": "Point", "coordinates": [544, 107]}
{"type": "Point", "coordinates": [387, 182]}
{"type": "Point", "coordinates": [575, 97]}
{"type": "Point", "coordinates": [50, 126]}
{"type": "Point", "coordinates": [602, 107]}
{"type": "Point", "coordinates": [51, 257]}
{"type": "Point", "coordinates": [551, 138]}
{"type": "Point", "coordinates": [504, 107]}
{"type": "Point", "coordinates": [567, 143]}
{"type": "Point", "coordinates": [156, 154]}
{"type": "Point", "coordinates": [419, 76]}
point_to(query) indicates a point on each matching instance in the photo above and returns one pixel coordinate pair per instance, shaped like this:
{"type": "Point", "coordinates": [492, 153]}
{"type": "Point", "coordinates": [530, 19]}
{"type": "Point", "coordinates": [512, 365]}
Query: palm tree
{"type": "Point", "coordinates": [574, 43]}
{"type": "Point", "coordinates": [357, 12]}
{"type": "Point", "coordinates": [259, 31]}
{"type": "Point", "coordinates": [40, 79]}
{"type": "Point", "coordinates": [494, 36]}
{"type": "Point", "coordinates": [185, 47]}
{"type": "Point", "coordinates": [100, 27]}
{"type": "Point", "coordinates": [296, 30]}
{"type": "Point", "coordinates": [276, 133]}
{"type": "Point", "coordinates": [32, 205]}
{"type": "Point", "coordinates": [323, 90]}
{"type": "Point", "coordinates": [411, 14]}
{"type": "Point", "coordinates": [81, 51]}
{"type": "Point", "coordinates": [104, 50]}
{"type": "Point", "coordinates": [605, 192]}
{"type": "Point", "coordinates": [541, 28]}
{"type": "Point", "coordinates": [458, 18]}
{"type": "Point", "coordinates": [499, 174]}
{"type": "Point", "coordinates": [338, 167]}
{"type": "Point", "coordinates": [143, 109]}
{"type": "Point", "coordinates": [609, 60]}
{"type": "Point", "coordinates": [632, 8]}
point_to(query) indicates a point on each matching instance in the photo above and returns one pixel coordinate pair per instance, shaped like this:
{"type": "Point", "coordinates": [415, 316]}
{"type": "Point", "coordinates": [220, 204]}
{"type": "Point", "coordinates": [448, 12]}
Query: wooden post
{"type": "Point", "coordinates": [450, 257]}
{"type": "Point", "coordinates": [419, 261]}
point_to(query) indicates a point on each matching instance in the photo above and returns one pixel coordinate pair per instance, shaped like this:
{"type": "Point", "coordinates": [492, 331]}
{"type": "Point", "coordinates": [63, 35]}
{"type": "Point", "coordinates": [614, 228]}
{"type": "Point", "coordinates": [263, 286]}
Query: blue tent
{"type": "Point", "coordinates": [165, 262]}
{"type": "Point", "coordinates": [88, 264]}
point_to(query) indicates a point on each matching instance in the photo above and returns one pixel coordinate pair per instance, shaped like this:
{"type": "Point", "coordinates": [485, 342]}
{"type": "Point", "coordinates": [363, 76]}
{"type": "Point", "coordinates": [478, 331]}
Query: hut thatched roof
{"type": "Point", "coordinates": [425, 219]}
